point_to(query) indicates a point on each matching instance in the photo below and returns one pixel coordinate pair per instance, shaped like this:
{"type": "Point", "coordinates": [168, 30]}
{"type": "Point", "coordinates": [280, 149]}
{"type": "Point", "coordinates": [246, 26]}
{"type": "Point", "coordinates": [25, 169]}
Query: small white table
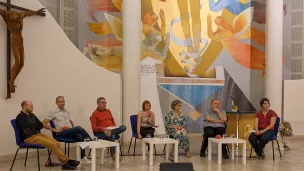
{"type": "Point", "coordinates": [221, 141]}
{"type": "Point", "coordinates": [153, 141]}
{"type": "Point", "coordinates": [102, 144]}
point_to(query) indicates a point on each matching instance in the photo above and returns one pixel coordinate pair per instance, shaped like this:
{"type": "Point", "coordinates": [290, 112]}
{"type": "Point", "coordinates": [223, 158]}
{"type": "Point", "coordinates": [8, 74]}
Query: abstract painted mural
{"type": "Point", "coordinates": [205, 49]}
{"type": "Point", "coordinates": [192, 50]}
{"type": "Point", "coordinates": [106, 24]}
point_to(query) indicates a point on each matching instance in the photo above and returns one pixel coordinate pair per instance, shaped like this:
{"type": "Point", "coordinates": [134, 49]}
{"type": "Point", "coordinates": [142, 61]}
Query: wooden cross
{"type": "Point", "coordinates": [9, 6]}
{"type": "Point", "coordinates": [14, 22]}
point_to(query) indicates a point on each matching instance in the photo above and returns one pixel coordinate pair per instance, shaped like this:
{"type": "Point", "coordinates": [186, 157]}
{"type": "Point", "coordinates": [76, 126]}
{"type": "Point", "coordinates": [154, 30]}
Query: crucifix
{"type": "Point", "coordinates": [14, 23]}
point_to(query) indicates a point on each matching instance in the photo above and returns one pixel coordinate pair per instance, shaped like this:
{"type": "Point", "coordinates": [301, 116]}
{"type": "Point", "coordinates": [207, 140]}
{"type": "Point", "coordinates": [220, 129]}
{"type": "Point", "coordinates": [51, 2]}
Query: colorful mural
{"type": "Point", "coordinates": [199, 50]}
{"type": "Point", "coordinates": [107, 50]}
{"type": "Point", "coordinates": [216, 50]}
{"type": "Point", "coordinates": [230, 18]}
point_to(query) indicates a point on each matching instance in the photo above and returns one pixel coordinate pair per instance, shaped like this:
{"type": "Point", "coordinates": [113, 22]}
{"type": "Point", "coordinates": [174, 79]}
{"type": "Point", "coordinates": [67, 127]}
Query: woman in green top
{"type": "Point", "coordinates": [175, 124]}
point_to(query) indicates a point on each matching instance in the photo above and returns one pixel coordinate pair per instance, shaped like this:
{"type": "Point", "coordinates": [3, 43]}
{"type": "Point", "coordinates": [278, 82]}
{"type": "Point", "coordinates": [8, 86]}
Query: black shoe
{"type": "Point", "coordinates": [203, 155]}
{"type": "Point", "coordinates": [261, 157]}
{"type": "Point", "coordinates": [73, 163]}
{"type": "Point", "coordinates": [225, 156]}
{"type": "Point", "coordinates": [67, 167]}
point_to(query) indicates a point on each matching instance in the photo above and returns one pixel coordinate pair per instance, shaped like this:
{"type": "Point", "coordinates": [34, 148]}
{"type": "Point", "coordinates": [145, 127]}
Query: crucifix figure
{"type": "Point", "coordinates": [14, 22]}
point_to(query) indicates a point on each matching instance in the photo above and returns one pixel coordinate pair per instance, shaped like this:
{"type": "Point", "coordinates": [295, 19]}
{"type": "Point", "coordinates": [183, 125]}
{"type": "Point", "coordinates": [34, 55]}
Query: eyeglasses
{"type": "Point", "coordinates": [103, 102]}
{"type": "Point", "coordinates": [266, 103]}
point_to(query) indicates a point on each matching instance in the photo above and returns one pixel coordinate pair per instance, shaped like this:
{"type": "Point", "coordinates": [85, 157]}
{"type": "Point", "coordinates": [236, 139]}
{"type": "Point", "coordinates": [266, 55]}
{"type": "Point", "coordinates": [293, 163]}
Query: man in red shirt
{"type": "Point", "coordinates": [264, 126]}
{"type": "Point", "coordinates": [101, 120]}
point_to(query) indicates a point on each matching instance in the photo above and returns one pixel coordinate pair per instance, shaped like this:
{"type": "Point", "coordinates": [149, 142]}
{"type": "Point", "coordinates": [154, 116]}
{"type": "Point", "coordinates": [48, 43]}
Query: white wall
{"type": "Point", "coordinates": [149, 92]}
{"type": "Point", "coordinates": [53, 66]}
{"type": "Point", "coordinates": [293, 104]}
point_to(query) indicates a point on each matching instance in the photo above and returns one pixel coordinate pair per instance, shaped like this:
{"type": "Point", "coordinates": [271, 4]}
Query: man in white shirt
{"type": "Point", "coordinates": [64, 126]}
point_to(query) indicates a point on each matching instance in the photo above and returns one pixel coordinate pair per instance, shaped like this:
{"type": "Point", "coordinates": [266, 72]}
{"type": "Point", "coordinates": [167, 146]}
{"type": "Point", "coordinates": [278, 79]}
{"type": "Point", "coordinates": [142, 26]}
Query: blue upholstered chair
{"type": "Point", "coordinates": [66, 141]}
{"type": "Point", "coordinates": [133, 120]}
{"type": "Point", "coordinates": [104, 138]}
{"type": "Point", "coordinates": [274, 138]}
{"type": "Point", "coordinates": [20, 143]}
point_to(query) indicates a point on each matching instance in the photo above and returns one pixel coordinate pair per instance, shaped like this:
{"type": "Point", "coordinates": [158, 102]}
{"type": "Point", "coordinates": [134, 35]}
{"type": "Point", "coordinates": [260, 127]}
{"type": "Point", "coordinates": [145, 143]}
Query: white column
{"type": "Point", "coordinates": [274, 53]}
{"type": "Point", "coordinates": [131, 13]}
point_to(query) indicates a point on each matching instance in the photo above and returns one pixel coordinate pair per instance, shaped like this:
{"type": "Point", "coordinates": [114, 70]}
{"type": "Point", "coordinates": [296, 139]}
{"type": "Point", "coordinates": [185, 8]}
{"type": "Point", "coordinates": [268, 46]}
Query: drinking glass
{"type": "Point", "coordinates": [87, 139]}
{"type": "Point", "coordinates": [95, 138]}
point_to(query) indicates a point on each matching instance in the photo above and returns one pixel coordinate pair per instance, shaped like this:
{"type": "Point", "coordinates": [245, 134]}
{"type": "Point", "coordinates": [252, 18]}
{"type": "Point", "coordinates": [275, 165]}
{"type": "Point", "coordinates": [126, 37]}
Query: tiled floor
{"type": "Point", "coordinates": [292, 160]}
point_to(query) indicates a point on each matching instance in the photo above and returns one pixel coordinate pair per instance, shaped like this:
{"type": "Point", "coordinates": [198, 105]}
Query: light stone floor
{"type": "Point", "coordinates": [291, 161]}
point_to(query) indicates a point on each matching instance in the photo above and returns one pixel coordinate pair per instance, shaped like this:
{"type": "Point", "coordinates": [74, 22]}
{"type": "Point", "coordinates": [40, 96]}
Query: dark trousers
{"type": "Point", "coordinates": [212, 132]}
{"type": "Point", "coordinates": [258, 142]}
{"type": "Point", "coordinates": [113, 137]}
{"type": "Point", "coordinates": [147, 130]}
{"type": "Point", "coordinates": [77, 133]}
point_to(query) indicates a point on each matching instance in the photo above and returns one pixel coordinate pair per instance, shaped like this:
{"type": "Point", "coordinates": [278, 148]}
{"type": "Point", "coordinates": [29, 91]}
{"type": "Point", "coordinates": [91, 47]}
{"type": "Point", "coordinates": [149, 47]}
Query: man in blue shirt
{"type": "Point", "coordinates": [214, 124]}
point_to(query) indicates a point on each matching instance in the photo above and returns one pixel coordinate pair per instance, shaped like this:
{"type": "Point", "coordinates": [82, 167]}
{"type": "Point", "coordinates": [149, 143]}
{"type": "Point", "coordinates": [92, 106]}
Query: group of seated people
{"type": "Point", "coordinates": [101, 119]}
{"type": "Point", "coordinates": [176, 128]}
{"type": "Point", "coordinates": [215, 123]}
{"type": "Point", "coordinates": [30, 126]}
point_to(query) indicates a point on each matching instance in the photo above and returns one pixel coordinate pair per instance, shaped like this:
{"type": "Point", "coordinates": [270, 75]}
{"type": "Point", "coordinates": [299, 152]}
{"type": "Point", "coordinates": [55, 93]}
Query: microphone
{"type": "Point", "coordinates": [232, 98]}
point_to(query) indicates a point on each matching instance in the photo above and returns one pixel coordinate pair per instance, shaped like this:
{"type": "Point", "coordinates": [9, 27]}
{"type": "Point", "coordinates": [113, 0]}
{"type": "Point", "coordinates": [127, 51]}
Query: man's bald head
{"type": "Point", "coordinates": [23, 104]}
{"type": "Point", "coordinates": [27, 106]}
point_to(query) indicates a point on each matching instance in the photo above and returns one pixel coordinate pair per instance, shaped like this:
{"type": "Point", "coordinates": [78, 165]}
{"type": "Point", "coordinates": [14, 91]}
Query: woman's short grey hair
{"type": "Point", "coordinates": [174, 103]}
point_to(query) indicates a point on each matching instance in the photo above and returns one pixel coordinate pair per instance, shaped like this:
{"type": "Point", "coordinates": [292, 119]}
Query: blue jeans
{"type": "Point", "coordinates": [77, 133]}
{"type": "Point", "coordinates": [113, 137]}
{"type": "Point", "coordinates": [259, 142]}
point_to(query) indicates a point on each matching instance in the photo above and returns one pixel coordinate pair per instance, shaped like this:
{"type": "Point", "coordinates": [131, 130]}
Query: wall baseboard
{"type": "Point", "coordinates": [32, 154]}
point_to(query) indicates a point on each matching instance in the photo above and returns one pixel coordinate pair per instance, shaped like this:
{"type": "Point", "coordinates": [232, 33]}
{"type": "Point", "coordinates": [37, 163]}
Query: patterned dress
{"type": "Point", "coordinates": [172, 120]}
{"type": "Point", "coordinates": [146, 120]}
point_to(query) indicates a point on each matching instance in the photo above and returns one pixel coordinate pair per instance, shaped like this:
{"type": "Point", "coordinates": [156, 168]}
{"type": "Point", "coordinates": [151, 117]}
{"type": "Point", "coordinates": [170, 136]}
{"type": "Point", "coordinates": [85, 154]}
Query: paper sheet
{"type": "Point", "coordinates": [83, 145]}
{"type": "Point", "coordinates": [112, 127]}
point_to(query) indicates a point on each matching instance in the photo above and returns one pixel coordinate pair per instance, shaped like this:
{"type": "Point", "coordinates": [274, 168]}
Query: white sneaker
{"type": "Point", "coordinates": [85, 160]}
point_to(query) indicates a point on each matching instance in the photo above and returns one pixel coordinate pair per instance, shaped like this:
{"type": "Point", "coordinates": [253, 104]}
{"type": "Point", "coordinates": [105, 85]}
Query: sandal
{"type": "Point", "coordinates": [107, 133]}
{"type": "Point", "coordinates": [188, 154]}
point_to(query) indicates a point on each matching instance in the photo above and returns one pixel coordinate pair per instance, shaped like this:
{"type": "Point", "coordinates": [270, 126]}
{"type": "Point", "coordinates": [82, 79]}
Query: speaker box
{"type": "Point", "coordinates": [176, 167]}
